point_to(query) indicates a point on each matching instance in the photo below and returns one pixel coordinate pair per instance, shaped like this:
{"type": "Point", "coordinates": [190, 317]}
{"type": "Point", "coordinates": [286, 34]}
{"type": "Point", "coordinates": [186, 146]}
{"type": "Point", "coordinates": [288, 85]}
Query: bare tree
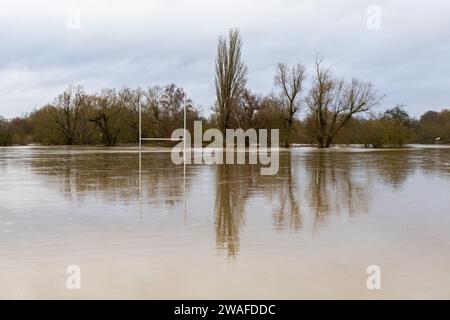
{"type": "Point", "coordinates": [83, 127]}
{"type": "Point", "coordinates": [107, 116]}
{"type": "Point", "coordinates": [231, 77]}
{"type": "Point", "coordinates": [152, 117]}
{"type": "Point", "coordinates": [248, 107]}
{"type": "Point", "coordinates": [290, 81]}
{"type": "Point", "coordinates": [173, 100]}
{"type": "Point", "coordinates": [333, 103]}
{"type": "Point", "coordinates": [69, 105]}
{"type": "Point", "coordinates": [130, 100]}
{"type": "Point", "coordinates": [5, 135]}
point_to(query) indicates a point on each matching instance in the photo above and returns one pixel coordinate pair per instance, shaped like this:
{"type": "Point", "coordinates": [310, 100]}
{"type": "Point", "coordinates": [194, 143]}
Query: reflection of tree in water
{"type": "Point", "coordinates": [435, 161]}
{"type": "Point", "coordinates": [288, 212]}
{"type": "Point", "coordinates": [394, 166]}
{"type": "Point", "coordinates": [341, 181]}
{"type": "Point", "coordinates": [333, 182]}
{"type": "Point", "coordinates": [2, 164]}
{"type": "Point", "coordinates": [336, 184]}
{"type": "Point", "coordinates": [231, 194]}
{"type": "Point", "coordinates": [114, 176]}
{"type": "Point", "coordinates": [236, 184]}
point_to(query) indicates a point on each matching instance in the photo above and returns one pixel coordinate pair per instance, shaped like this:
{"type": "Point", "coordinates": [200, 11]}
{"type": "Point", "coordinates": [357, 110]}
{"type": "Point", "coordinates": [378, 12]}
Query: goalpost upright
{"type": "Point", "coordinates": [162, 139]}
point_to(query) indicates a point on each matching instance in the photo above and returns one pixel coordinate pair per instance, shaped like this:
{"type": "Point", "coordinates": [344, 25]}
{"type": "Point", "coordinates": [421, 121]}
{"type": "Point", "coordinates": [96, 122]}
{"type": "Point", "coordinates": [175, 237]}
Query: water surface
{"type": "Point", "coordinates": [224, 231]}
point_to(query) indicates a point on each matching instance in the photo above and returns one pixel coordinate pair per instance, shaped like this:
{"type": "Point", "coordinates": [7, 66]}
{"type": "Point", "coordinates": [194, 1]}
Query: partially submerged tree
{"type": "Point", "coordinates": [434, 127]}
{"type": "Point", "coordinates": [247, 109]}
{"type": "Point", "coordinates": [46, 126]}
{"type": "Point", "coordinates": [5, 136]}
{"type": "Point", "coordinates": [107, 116]}
{"type": "Point", "coordinates": [231, 78]}
{"type": "Point", "coordinates": [401, 125]}
{"type": "Point", "coordinates": [290, 82]}
{"type": "Point", "coordinates": [163, 110]}
{"type": "Point", "coordinates": [130, 99]}
{"type": "Point", "coordinates": [69, 106]}
{"type": "Point", "coordinates": [333, 103]}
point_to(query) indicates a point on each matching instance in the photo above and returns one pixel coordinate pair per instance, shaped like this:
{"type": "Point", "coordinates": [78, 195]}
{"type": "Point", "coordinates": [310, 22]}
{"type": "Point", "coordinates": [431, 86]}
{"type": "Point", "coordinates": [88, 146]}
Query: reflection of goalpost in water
{"type": "Point", "coordinates": [161, 139]}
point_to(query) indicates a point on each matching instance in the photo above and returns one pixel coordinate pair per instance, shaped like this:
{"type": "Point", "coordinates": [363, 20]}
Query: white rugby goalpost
{"type": "Point", "coordinates": [141, 139]}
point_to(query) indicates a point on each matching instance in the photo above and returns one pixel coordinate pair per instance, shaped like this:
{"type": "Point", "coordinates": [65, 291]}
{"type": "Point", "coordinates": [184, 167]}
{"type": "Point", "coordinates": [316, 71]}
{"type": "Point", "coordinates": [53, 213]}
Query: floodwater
{"type": "Point", "coordinates": [224, 231]}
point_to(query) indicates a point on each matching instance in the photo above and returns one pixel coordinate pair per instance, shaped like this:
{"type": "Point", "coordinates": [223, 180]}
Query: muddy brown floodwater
{"type": "Point", "coordinates": [310, 231]}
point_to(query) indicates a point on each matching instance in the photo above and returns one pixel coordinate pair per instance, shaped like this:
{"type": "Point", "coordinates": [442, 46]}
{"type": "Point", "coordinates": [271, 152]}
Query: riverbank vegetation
{"type": "Point", "coordinates": [330, 111]}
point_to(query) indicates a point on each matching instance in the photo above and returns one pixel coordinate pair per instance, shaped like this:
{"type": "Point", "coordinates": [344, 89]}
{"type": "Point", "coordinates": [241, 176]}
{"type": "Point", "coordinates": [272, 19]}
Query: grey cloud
{"type": "Point", "coordinates": [139, 43]}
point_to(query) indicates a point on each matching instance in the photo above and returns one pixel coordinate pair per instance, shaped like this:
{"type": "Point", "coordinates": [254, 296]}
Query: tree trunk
{"type": "Point", "coordinates": [329, 141]}
{"type": "Point", "coordinates": [287, 141]}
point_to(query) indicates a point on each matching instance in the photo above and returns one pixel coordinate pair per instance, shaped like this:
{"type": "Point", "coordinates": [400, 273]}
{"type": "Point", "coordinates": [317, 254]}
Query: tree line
{"type": "Point", "coordinates": [109, 117]}
{"type": "Point", "coordinates": [336, 111]}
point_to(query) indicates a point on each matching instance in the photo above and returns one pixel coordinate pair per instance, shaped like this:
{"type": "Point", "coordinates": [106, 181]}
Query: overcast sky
{"type": "Point", "coordinates": [45, 46]}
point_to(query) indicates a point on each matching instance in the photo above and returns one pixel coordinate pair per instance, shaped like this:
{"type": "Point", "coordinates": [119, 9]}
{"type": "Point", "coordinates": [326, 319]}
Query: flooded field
{"type": "Point", "coordinates": [224, 231]}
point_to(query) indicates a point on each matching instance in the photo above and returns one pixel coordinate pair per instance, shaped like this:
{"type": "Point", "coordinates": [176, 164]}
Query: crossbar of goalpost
{"type": "Point", "coordinates": [161, 139]}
